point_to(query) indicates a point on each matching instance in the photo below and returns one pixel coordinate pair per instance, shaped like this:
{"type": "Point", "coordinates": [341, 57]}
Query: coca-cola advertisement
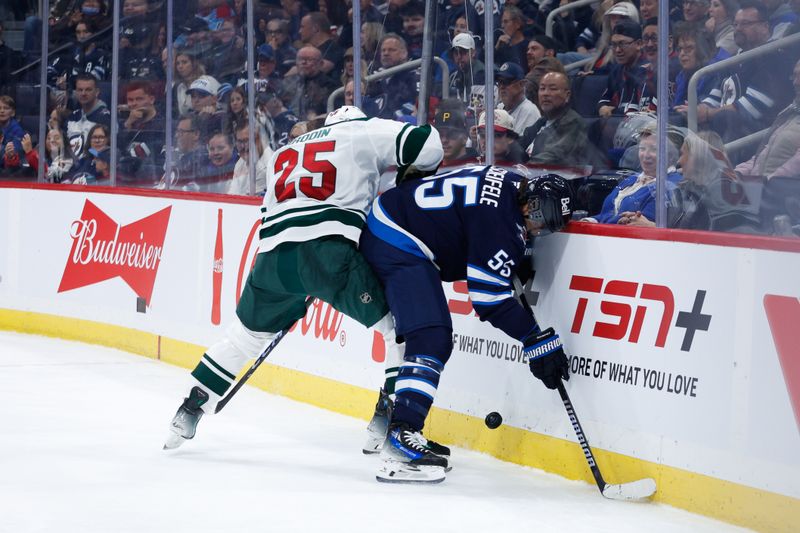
{"type": "Point", "coordinates": [102, 250]}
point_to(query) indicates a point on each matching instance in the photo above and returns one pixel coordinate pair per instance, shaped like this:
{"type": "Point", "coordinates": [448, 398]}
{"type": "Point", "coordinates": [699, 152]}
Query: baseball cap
{"type": "Point", "coordinates": [625, 9]}
{"type": "Point", "coordinates": [463, 40]}
{"type": "Point", "coordinates": [503, 122]}
{"type": "Point", "coordinates": [205, 84]}
{"type": "Point", "coordinates": [450, 119]}
{"type": "Point", "coordinates": [509, 71]}
{"type": "Point", "coordinates": [628, 28]}
{"type": "Point", "coordinates": [266, 51]}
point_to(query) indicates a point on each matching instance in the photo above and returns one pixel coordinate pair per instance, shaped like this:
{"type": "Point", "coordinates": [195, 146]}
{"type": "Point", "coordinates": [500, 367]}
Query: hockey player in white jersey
{"type": "Point", "coordinates": [319, 189]}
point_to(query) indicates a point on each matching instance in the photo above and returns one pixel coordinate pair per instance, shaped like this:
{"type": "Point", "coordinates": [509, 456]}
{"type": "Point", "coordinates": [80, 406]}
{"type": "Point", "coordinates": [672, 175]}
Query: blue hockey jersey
{"type": "Point", "coordinates": [469, 225]}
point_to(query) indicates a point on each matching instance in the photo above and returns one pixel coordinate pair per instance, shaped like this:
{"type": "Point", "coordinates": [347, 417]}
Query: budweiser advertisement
{"type": "Point", "coordinates": [102, 249]}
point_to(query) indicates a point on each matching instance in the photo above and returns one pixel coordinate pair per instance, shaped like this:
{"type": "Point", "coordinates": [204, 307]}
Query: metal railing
{"type": "Point", "coordinates": [409, 65]}
{"type": "Point", "coordinates": [551, 17]}
{"type": "Point", "coordinates": [764, 49]}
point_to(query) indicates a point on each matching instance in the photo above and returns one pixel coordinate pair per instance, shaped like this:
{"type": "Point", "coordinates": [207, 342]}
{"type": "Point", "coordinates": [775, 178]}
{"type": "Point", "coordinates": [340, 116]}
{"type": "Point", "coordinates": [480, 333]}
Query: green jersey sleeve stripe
{"type": "Point", "coordinates": [338, 215]}
{"type": "Point", "coordinates": [398, 141]}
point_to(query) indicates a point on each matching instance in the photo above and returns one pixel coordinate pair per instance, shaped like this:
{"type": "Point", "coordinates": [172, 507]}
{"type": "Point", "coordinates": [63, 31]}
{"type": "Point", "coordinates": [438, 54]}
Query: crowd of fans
{"type": "Point", "coordinates": [584, 97]}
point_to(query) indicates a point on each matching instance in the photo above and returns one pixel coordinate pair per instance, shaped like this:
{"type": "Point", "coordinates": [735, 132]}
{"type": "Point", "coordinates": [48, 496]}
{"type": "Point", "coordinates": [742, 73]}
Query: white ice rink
{"type": "Point", "coordinates": [81, 429]}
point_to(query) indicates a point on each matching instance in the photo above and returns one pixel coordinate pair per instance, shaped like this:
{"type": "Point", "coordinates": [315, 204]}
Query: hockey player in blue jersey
{"type": "Point", "coordinates": [471, 224]}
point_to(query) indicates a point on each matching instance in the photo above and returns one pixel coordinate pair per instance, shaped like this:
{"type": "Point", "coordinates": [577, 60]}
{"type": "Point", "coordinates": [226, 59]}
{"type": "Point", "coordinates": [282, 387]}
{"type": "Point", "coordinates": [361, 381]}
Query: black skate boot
{"type": "Point", "coordinates": [407, 458]}
{"type": "Point", "coordinates": [184, 423]}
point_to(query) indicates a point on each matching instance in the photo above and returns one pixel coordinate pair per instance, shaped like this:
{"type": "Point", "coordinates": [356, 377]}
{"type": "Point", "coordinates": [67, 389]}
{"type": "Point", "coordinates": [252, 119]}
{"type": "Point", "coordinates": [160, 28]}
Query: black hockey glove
{"type": "Point", "coordinates": [546, 357]}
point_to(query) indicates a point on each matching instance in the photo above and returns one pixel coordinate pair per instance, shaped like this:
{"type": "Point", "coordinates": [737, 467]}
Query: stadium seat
{"type": "Point", "coordinates": [586, 91]}
{"type": "Point", "coordinates": [781, 196]}
{"type": "Point", "coordinates": [27, 99]}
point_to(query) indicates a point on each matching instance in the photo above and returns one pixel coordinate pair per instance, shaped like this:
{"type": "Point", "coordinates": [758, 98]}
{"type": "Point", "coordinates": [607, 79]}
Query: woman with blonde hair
{"type": "Point", "coordinates": [371, 35]}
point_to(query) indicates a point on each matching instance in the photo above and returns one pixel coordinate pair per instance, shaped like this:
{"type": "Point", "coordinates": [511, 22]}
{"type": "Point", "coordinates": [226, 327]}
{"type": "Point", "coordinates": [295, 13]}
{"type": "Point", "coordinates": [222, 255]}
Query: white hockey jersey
{"type": "Point", "coordinates": [323, 182]}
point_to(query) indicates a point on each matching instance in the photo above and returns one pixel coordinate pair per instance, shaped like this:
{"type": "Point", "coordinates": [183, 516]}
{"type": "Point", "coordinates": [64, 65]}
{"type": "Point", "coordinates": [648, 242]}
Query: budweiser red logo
{"type": "Point", "coordinates": [782, 314]}
{"type": "Point", "coordinates": [102, 250]}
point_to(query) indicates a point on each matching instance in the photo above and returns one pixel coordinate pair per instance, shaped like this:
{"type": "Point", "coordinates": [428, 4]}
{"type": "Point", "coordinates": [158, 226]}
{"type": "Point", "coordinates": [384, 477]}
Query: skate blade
{"type": "Point", "coordinates": [173, 441]}
{"type": "Point", "coordinates": [396, 472]}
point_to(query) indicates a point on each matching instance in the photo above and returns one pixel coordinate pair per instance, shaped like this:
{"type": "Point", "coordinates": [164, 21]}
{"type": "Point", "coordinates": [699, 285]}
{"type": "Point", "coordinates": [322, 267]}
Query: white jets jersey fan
{"type": "Point", "coordinates": [324, 182]}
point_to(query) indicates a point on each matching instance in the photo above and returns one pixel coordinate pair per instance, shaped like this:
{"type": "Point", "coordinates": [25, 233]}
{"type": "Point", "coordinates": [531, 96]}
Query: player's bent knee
{"type": "Point", "coordinates": [435, 341]}
{"type": "Point", "coordinates": [250, 343]}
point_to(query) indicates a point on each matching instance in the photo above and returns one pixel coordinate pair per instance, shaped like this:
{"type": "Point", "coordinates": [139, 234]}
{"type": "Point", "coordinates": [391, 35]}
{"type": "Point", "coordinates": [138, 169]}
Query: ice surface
{"type": "Point", "coordinates": [81, 430]}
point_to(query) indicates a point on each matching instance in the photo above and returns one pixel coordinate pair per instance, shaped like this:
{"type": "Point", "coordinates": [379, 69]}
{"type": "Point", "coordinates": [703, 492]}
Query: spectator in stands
{"type": "Point", "coordinates": [648, 9]}
{"type": "Point", "coordinates": [206, 105]}
{"type": "Point", "coordinates": [720, 24]}
{"type": "Point", "coordinates": [650, 51]}
{"type": "Point", "coordinates": [278, 39]}
{"type": "Point", "coordinates": [452, 127]}
{"type": "Point", "coordinates": [315, 30]}
{"type": "Point", "coordinates": [780, 16]}
{"type": "Point", "coordinates": [506, 148]}
{"type": "Point", "coordinates": [240, 183]}
{"type": "Point", "coordinates": [695, 11]}
{"type": "Point", "coordinates": [398, 89]}
{"type": "Point", "coordinates": [748, 99]}
{"type": "Point", "coordinates": [371, 35]}
{"type": "Point", "coordinates": [98, 139]}
{"type": "Point", "coordinates": [463, 10]}
{"type": "Point", "coordinates": [559, 136]}
{"type": "Point", "coordinates": [511, 90]}
{"type": "Point", "coordinates": [62, 28]}
{"type": "Point", "coordinates": [636, 194]}
{"type": "Point", "coordinates": [280, 122]}
{"type": "Point", "coordinates": [10, 131]}
{"type": "Point", "coordinates": [629, 87]}
{"type": "Point", "coordinates": [187, 69]}
{"type": "Point", "coordinates": [267, 77]}
{"type": "Point", "coordinates": [85, 57]}
{"type": "Point", "coordinates": [534, 77]}
{"type": "Point", "coordinates": [413, 14]}
{"type": "Point", "coordinates": [59, 157]}
{"type": "Point", "coordinates": [136, 60]}
{"type": "Point", "coordinates": [141, 137]}
{"type": "Point", "coordinates": [779, 154]}
{"type": "Point", "coordinates": [10, 60]}
{"type": "Point", "coordinates": [237, 109]}
{"type": "Point", "coordinates": [226, 57]}
{"type": "Point", "coordinates": [695, 50]}
{"type": "Point", "coordinates": [306, 93]}
{"type": "Point", "coordinates": [393, 21]}
{"type": "Point", "coordinates": [538, 47]}
{"type": "Point", "coordinates": [221, 162]}
{"type": "Point", "coordinates": [511, 46]}
{"type": "Point", "coordinates": [92, 111]}
{"type": "Point", "coordinates": [349, 67]}
{"type": "Point", "coordinates": [191, 158]}
{"type": "Point", "coordinates": [603, 55]}
{"type": "Point", "coordinates": [469, 70]}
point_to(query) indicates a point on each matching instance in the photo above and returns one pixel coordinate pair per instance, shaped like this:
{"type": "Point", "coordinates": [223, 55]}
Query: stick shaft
{"type": "Point", "coordinates": [260, 359]}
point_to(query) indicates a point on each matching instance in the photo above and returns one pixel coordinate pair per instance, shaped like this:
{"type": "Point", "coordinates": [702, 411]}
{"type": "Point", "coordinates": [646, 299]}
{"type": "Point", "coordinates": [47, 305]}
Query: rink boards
{"type": "Point", "coordinates": [684, 347]}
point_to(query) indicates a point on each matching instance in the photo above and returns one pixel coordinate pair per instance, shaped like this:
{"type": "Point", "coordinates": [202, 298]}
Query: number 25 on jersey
{"type": "Point", "coordinates": [314, 176]}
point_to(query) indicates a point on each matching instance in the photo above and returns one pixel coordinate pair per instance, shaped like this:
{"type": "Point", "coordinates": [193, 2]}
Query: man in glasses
{"type": "Point", "coordinates": [750, 96]}
{"type": "Point", "coordinates": [511, 89]}
{"type": "Point", "coordinates": [278, 38]}
{"type": "Point", "coordinates": [628, 89]}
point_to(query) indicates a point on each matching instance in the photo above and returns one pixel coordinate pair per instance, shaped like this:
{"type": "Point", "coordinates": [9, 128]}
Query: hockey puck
{"type": "Point", "coordinates": [493, 420]}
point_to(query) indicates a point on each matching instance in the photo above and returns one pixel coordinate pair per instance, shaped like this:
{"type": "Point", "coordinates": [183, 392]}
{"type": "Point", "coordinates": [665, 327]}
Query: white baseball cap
{"type": "Point", "coordinates": [503, 122]}
{"type": "Point", "coordinates": [206, 84]}
{"type": "Point", "coordinates": [463, 40]}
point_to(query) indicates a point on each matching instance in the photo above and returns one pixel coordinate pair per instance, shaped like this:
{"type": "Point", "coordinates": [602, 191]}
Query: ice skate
{"type": "Point", "coordinates": [184, 424]}
{"type": "Point", "coordinates": [378, 426]}
{"type": "Point", "coordinates": [407, 458]}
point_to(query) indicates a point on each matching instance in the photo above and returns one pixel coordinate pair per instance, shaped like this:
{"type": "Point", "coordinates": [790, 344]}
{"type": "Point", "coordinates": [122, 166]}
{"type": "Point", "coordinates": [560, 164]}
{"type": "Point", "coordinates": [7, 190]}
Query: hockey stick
{"type": "Point", "coordinates": [632, 491]}
{"type": "Point", "coordinates": [260, 359]}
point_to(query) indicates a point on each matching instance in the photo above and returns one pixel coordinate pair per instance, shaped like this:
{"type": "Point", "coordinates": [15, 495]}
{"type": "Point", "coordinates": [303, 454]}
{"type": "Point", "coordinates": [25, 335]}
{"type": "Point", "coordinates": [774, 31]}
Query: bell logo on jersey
{"type": "Point", "coordinates": [102, 250]}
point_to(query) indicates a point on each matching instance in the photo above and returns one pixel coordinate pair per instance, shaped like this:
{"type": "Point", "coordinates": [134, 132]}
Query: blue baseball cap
{"type": "Point", "coordinates": [509, 71]}
{"type": "Point", "coordinates": [266, 51]}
